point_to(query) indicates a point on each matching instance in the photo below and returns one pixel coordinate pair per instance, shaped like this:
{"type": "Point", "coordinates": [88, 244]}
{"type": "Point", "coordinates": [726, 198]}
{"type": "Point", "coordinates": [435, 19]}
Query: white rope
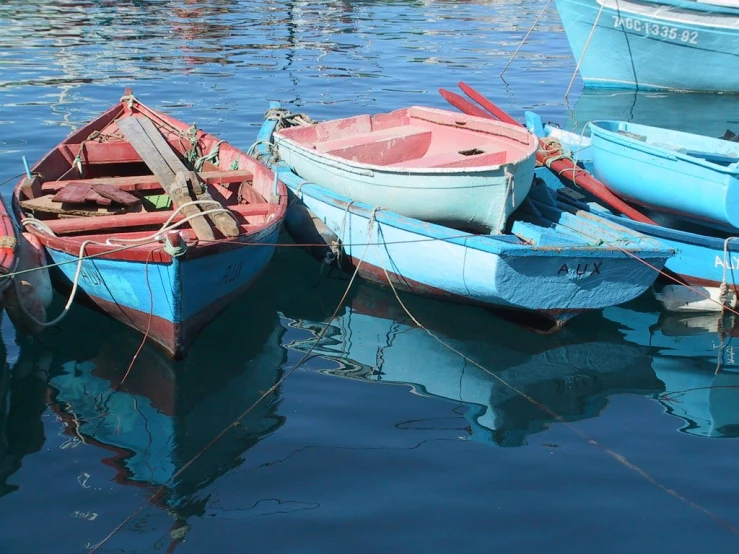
{"type": "Point", "coordinates": [584, 50]}
{"type": "Point", "coordinates": [166, 227]}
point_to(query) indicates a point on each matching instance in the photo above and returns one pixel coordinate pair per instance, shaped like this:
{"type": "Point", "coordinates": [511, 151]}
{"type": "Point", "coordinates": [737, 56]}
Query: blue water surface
{"type": "Point", "coordinates": [617, 434]}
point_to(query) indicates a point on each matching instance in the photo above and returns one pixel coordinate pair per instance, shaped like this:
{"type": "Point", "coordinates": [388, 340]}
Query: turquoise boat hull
{"type": "Point", "coordinates": [690, 175]}
{"type": "Point", "coordinates": [654, 45]}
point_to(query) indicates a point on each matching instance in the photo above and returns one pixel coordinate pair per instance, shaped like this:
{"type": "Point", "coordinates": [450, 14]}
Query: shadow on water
{"type": "Point", "coordinates": [23, 397]}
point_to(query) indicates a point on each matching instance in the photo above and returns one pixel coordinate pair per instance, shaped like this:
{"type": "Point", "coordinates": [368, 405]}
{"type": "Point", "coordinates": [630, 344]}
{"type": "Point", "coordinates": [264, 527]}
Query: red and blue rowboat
{"type": "Point", "coordinates": [156, 222]}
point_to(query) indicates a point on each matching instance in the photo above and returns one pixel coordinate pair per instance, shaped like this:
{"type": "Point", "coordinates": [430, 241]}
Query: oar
{"type": "Point", "coordinates": [487, 104]}
{"type": "Point", "coordinates": [462, 104]}
{"type": "Point", "coordinates": [564, 166]}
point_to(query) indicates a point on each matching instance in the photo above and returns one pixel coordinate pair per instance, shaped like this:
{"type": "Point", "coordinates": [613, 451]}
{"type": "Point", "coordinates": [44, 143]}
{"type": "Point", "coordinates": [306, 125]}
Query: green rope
{"type": "Point", "coordinates": [211, 157]}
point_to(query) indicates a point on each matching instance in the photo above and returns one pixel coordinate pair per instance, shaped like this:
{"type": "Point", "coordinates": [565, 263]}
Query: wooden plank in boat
{"type": "Point", "coordinates": [141, 219]}
{"type": "Point", "coordinates": [45, 204]}
{"type": "Point", "coordinates": [116, 195]}
{"type": "Point", "coordinates": [153, 148]}
{"type": "Point", "coordinates": [150, 182]}
{"type": "Point", "coordinates": [168, 168]}
{"type": "Point", "coordinates": [182, 185]}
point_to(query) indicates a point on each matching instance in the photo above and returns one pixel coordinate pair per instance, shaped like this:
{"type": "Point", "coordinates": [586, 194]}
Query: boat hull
{"type": "Point", "coordinates": [169, 301]}
{"type": "Point", "coordinates": [701, 262]}
{"type": "Point", "coordinates": [633, 44]}
{"type": "Point", "coordinates": [479, 198]}
{"type": "Point", "coordinates": [668, 179]}
{"type": "Point", "coordinates": [416, 258]}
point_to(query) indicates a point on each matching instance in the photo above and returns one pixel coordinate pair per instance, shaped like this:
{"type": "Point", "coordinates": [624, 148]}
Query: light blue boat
{"type": "Point", "coordinates": [690, 175]}
{"type": "Point", "coordinates": [706, 260]}
{"type": "Point", "coordinates": [436, 165]}
{"type": "Point", "coordinates": [685, 45]}
{"type": "Point", "coordinates": [554, 261]}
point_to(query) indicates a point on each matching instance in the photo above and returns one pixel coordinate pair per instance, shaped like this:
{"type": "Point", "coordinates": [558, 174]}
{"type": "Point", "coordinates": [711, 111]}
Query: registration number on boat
{"type": "Point", "coordinates": [655, 30]}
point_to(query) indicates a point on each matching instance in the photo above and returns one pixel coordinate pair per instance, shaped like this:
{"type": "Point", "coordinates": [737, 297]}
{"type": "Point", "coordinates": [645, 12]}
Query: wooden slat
{"type": "Point", "coordinates": [141, 219]}
{"type": "Point", "coordinates": [153, 148]}
{"type": "Point", "coordinates": [182, 185]}
{"type": "Point", "coordinates": [150, 182]}
{"type": "Point", "coordinates": [45, 204]}
{"type": "Point", "coordinates": [116, 195]}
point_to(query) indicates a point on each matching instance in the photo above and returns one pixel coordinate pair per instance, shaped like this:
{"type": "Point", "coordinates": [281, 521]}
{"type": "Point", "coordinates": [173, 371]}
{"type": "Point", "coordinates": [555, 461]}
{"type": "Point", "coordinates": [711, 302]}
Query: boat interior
{"type": "Point", "coordinates": [127, 173]}
{"type": "Point", "coordinates": [416, 138]}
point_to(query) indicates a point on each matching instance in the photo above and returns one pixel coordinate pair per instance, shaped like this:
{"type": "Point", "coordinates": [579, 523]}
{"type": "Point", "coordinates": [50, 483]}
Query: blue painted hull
{"type": "Point", "coordinates": [675, 45]}
{"type": "Point", "coordinates": [669, 170]}
{"type": "Point", "coordinates": [703, 260]}
{"type": "Point", "coordinates": [573, 272]}
{"type": "Point", "coordinates": [173, 300]}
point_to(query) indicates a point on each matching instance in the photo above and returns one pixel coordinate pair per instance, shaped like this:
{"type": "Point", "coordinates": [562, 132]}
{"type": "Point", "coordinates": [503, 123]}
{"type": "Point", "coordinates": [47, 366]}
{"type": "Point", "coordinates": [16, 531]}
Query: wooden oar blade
{"type": "Point", "coordinates": [462, 104]}
{"type": "Point", "coordinates": [497, 112]}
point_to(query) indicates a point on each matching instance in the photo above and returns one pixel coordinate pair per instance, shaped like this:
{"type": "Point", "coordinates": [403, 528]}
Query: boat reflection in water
{"type": "Point", "coordinates": [705, 114]}
{"type": "Point", "coordinates": [23, 396]}
{"type": "Point", "coordinates": [696, 357]}
{"type": "Point", "coordinates": [164, 414]}
{"type": "Point", "coordinates": [570, 374]}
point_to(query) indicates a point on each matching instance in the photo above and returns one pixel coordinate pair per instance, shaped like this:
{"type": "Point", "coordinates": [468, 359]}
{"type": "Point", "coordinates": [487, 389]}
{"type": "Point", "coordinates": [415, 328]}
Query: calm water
{"type": "Point", "coordinates": [617, 435]}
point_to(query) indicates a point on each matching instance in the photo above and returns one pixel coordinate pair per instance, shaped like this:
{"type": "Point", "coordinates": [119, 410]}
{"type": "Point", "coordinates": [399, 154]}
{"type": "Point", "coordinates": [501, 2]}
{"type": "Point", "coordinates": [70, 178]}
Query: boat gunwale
{"type": "Point", "coordinates": [530, 146]}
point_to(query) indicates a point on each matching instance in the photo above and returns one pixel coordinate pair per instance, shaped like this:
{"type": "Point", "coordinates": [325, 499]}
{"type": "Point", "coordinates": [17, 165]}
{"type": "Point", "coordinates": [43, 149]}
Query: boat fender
{"type": "Point", "coordinates": [31, 293]}
{"type": "Point", "coordinates": [306, 228]}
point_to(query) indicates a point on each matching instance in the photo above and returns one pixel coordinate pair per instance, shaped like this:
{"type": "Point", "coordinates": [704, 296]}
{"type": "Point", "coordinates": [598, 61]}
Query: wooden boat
{"type": "Point", "coordinates": [552, 261]}
{"type": "Point", "coordinates": [706, 260]}
{"type": "Point", "coordinates": [688, 45]}
{"type": "Point", "coordinates": [157, 223]}
{"type": "Point", "coordinates": [424, 163]}
{"type": "Point", "coordinates": [690, 175]}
